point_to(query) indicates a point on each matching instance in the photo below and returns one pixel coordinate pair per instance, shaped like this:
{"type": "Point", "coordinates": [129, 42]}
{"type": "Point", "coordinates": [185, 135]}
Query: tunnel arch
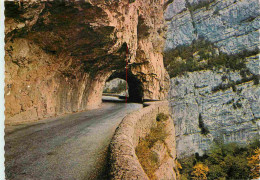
{"type": "Point", "coordinates": [135, 86]}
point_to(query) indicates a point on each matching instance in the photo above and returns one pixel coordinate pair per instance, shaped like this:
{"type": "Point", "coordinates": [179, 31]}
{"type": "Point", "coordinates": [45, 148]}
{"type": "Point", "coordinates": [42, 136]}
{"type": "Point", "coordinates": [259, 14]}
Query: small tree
{"type": "Point", "coordinates": [200, 171]}
{"type": "Point", "coordinates": [254, 163]}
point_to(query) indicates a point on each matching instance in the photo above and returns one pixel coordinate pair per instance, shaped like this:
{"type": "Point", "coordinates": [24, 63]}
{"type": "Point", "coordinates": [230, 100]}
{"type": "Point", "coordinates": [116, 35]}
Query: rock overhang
{"type": "Point", "coordinates": [83, 43]}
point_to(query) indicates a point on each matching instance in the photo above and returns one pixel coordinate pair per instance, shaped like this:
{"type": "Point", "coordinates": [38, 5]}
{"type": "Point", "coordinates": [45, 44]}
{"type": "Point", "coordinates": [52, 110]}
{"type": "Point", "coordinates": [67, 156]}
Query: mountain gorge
{"type": "Point", "coordinates": [212, 56]}
{"type": "Point", "coordinates": [193, 65]}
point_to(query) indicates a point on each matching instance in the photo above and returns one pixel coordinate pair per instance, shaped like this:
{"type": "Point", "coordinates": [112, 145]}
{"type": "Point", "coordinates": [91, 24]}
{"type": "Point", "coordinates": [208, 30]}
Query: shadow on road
{"type": "Point", "coordinates": [122, 99]}
{"type": "Point", "coordinates": [114, 99]}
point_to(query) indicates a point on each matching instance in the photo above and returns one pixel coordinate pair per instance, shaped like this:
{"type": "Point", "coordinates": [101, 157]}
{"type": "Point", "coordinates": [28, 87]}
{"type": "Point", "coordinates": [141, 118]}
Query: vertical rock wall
{"type": "Point", "coordinates": [59, 54]}
{"type": "Point", "coordinates": [229, 114]}
{"type": "Point", "coordinates": [220, 104]}
{"type": "Point", "coordinates": [232, 25]}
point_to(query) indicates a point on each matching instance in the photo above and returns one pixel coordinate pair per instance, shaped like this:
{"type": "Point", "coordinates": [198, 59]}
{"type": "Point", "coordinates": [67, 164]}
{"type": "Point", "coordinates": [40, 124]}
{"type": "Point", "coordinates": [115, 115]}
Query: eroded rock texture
{"type": "Point", "coordinates": [224, 102]}
{"type": "Point", "coordinates": [232, 25]}
{"type": "Point", "coordinates": [59, 54]}
{"type": "Point", "coordinates": [220, 104]}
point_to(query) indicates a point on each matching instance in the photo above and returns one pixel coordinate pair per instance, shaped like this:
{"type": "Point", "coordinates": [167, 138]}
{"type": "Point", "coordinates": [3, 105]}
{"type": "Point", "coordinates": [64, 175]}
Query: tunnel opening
{"type": "Point", "coordinates": [134, 87]}
{"type": "Point", "coordinates": [116, 86]}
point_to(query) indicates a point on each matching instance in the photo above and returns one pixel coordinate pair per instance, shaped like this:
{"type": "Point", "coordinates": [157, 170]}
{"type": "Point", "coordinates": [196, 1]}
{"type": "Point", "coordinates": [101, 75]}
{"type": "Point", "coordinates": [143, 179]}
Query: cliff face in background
{"type": "Point", "coordinates": [203, 111]}
{"type": "Point", "coordinates": [232, 25]}
{"type": "Point", "coordinates": [216, 103]}
{"type": "Point", "coordinates": [60, 54]}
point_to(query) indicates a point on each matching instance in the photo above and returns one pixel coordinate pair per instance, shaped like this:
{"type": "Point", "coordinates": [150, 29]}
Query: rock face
{"type": "Point", "coordinates": [214, 104]}
{"type": "Point", "coordinates": [60, 54]}
{"type": "Point", "coordinates": [232, 25]}
{"type": "Point", "coordinates": [230, 113]}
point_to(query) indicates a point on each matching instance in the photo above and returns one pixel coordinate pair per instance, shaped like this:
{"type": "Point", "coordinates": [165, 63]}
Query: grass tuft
{"type": "Point", "coordinates": [147, 158]}
{"type": "Point", "coordinates": [162, 117]}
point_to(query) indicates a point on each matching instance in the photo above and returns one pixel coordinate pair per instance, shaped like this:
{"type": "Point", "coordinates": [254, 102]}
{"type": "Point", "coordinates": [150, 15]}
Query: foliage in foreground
{"type": "Point", "coordinates": [224, 161]}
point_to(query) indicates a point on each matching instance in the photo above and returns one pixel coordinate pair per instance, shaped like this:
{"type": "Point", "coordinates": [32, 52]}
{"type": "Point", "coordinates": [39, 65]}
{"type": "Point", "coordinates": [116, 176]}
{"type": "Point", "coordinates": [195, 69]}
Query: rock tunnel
{"type": "Point", "coordinates": [59, 54]}
{"type": "Point", "coordinates": [135, 86]}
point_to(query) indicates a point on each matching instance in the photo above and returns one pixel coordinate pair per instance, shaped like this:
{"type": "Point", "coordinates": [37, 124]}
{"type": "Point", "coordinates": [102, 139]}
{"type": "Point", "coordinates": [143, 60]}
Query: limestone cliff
{"type": "Point", "coordinates": [218, 96]}
{"type": "Point", "coordinates": [59, 54]}
{"type": "Point", "coordinates": [232, 25]}
{"type": "Point", "coordinates": [206, 108]}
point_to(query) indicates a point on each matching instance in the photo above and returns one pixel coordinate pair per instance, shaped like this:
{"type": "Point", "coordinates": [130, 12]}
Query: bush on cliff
{"type": "Point", "coordinates": [201, 55]}
{"type": "Point", "coordinates": [224, 161]}
{"type": "Point", "coordinates": [162, 117]}
{"type": "Point", "coordinates": [199, 5]}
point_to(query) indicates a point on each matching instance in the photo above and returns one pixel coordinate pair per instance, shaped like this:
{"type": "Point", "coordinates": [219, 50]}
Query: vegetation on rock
{"type": "Point", "coordinates": [254, 164]}
{"type": "Point", "coordinates": [233, 84]}
{"type": "Point", "coordinates": [202, 55]}
{"type": "Point", "coordinates": [162, 117]}
{"type": "Point", "coordinates": [200, 4]}
{"type": "Point", "coordinates": [200, 171]}
{"type": "Point", "coordinates": [118, 89]}
{"type": "Point", "coordinates": [147, 158]}
{"type": "Point", "coordinates": [224, 161]}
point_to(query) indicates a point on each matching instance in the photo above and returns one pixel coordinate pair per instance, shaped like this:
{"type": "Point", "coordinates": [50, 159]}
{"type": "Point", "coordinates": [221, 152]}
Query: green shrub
{"type": "Point", "coordinates": [225, 161]}
{"type": "Point", "coordinates": [201, 4]}
{"type": "Point", "coordinates": [162, 117]}
{"type": "Point", "coordinates": [118, 89]}
{"type": "Point", "coordinates": [206, 51]}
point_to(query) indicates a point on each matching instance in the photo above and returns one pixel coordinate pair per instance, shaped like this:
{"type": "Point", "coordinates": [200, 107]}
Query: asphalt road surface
{"type": "Point", "coordinates": [71, 147]}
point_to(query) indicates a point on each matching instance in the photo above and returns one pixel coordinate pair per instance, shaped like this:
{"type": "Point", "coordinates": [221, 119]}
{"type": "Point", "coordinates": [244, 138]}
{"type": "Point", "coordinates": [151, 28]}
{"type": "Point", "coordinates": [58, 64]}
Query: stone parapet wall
{"type": "Point", "coordinates": [135, 126]}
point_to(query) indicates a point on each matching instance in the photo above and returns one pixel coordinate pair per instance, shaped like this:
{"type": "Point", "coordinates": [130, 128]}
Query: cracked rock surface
{"type": "Point", "coordinates": [232, 25]}
{"type": "Point", "coordinates": [59, 54]}
{"type": "Point", "coordinates": [231, 114]}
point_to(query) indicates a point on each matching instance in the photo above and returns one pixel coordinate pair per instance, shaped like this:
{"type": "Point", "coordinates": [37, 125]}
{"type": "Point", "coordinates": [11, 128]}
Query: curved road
{"type": "Point", "coordinates": [72, 147]}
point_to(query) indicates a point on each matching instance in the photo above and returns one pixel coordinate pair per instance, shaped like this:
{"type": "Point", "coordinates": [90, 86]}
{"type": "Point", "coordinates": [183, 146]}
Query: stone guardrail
{"type": "Point", "coordinates": [124, 163]}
